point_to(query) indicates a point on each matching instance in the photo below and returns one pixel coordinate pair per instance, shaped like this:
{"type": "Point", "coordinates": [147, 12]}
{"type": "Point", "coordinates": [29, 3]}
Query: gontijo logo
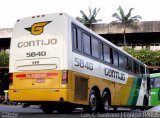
{"type": "Point", "coordinates": [37, 28]}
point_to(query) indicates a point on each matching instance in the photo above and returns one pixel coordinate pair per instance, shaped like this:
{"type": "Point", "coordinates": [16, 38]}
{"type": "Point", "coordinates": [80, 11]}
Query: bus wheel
{"type": "Point", "coordinates": [47, 108]}
{"type": "Point", "coordinates": [105, 101]}
{"type": "Point", "coordinates": [94, 102]}
{"type": "Point", "coordinates": [145, 104]}
{"type": "Point", "coordinates": [114, 108]}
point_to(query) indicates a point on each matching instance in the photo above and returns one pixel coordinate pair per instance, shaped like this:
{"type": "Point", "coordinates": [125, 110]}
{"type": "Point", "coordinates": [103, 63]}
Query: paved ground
{"type": "Point", "coordinates": [16, 111]}
{"type": "Point", "coordinates": [155, 109]}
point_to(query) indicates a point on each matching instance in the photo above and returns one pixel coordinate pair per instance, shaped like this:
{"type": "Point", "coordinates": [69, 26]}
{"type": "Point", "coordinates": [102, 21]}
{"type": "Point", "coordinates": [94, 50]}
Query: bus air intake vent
{"type": "Point", "coordinates": [81, 89]}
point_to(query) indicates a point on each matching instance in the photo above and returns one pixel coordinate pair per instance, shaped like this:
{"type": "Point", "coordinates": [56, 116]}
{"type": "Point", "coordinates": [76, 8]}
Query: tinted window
{"type": "Point", "coordinates": [121, 61]}
{"type": "Point", "coordinates": [115, 58]}
{"type": "Point", "coordinates": [95, 48]}
{"type": "Point", "coordinates": [142, 70]}
{"type": "Point", "coordinates": [101, 50]}
{"type": "Point", "coordinates": [137, 68]}
{"type": "Point", "coordinates": [111, 56]}
{"type": "Point", "coordinates": [125, 62]}
{"type": "Point", "coordinates": [77, 38]}
{"type": "Point", "coordinates": [106, 53]}
{"type": "Point", "coordinates": [134, 67]}
{"type": "Point", "coordinates": [130, 65]}
{"type": "Point", "coordinates": [86, 43]}
{"type": "Point", "coordinates": [157, 82]}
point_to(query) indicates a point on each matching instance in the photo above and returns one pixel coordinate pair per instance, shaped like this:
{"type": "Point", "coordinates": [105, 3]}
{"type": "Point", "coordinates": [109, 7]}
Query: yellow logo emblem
{"type": "Point", "coordinates": [37, 28]}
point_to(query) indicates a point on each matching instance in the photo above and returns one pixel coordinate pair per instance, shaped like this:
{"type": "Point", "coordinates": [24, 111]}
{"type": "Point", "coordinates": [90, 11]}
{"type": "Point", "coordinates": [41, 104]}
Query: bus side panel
{"type": "Point", "coordinates": [123, 92]}
{"type": "Point", "coordinates": [155, 96]}
{"type": "Point", "coordinates": [83, 83]}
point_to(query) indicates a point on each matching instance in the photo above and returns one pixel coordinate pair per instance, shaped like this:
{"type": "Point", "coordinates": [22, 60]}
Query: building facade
{"type": "Point", "coordinates": [139, 35]}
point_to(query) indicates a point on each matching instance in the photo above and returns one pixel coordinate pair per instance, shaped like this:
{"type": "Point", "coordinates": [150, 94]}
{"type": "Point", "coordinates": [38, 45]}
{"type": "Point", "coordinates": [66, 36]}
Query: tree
{"type": "Point", "coordinates": [125, 19]}
{"type": "Point", "coordinates": [88, 20]}
{"type": "Point", "coordinates": [4, 58]}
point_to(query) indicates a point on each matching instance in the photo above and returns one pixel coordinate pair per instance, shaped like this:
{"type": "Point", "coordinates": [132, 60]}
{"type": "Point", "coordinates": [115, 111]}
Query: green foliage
{"type": "Point", "coordinates": [149, 57]}
{"type": "Point", "coordinates": [124, 19]}
{"type": "Point", "coordinates": [4, 58]}
{"type": "Point", "coordinates": [88, 20]}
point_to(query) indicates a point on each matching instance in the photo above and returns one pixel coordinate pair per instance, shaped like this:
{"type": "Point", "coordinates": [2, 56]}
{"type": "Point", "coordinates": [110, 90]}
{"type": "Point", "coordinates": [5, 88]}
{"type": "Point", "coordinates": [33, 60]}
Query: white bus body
{"type": "Point", "coordinates": [45, 65]}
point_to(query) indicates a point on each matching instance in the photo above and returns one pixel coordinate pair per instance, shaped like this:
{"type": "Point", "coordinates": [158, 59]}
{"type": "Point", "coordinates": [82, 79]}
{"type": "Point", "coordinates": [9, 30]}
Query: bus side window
{"type": "Point", "coordinates": [130, 65]}
{"type": "Point", "coordinates": [121, 61]}
{"type": "Point", "coordinates": [101, 50]}
{"type": "Point", "coordinates": [115, 58]}
{"type": "Point", "coordinates": [125, 63]}
{"type": "Point", "coordinates": [111, 55]}
{"type": "Point", "coordinates": [137, 68]}
{"type": "Point", "coordinates": [142, 70]}
{"type": "Point", "coordinates": [77, 42]}
{"type": "Point", "coordinates": [106, 51]}
{"type": "Point", "coordinates": [79, 37]}
{"type": "Point", "coordinates": [134, 67]}
{"type": "Point", "coordinates": [86, 44]}
{"type": "Point", "coordinates": [95, 48]}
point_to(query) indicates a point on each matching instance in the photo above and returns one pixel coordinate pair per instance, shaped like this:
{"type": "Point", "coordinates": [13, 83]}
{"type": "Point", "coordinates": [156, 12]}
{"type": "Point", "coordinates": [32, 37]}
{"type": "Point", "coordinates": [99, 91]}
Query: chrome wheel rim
{"type": "Point", "coordinates": [106, 104]}
{"type": "Point", "coordinates": [93, 102]}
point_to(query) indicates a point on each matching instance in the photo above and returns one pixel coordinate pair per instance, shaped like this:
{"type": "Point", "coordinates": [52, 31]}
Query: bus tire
{"type": "Point", "coordinates": [145, 103]}
{"type": "Point", "coordinates": [47, 108]}
{"type": "Point", "coordinates": [94, 102]}
{"type": "Point", "coordinates": [105, 101]}
{"type": "Point", "coordinates": [114, 108]}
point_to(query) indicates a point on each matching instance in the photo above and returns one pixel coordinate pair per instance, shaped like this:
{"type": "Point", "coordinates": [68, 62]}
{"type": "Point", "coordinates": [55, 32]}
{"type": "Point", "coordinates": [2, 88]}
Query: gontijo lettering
{"type": "Point", "coordinates": [114, 74]}
{"type": "Point", "coordinates": [37, 43]}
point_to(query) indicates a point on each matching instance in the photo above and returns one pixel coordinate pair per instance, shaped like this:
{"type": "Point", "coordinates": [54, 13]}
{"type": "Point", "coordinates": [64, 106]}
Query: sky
{"type": "Point", "coordinates": [11, 10]}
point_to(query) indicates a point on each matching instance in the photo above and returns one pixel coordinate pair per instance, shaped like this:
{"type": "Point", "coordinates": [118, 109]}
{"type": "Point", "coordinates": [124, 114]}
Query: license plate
{"type": "Point", "coordinates": [40, 80]}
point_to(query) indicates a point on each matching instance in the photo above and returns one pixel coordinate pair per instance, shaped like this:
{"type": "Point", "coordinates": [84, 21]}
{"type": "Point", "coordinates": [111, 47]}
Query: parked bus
{"type": "Point", "coordinates": [155, 89]}
{"type": "Point", "coordinates": [57, 62]}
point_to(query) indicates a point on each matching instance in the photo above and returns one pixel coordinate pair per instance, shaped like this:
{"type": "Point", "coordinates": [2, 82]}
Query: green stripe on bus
{"type": "Point", "coordinates": [132, 100]}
